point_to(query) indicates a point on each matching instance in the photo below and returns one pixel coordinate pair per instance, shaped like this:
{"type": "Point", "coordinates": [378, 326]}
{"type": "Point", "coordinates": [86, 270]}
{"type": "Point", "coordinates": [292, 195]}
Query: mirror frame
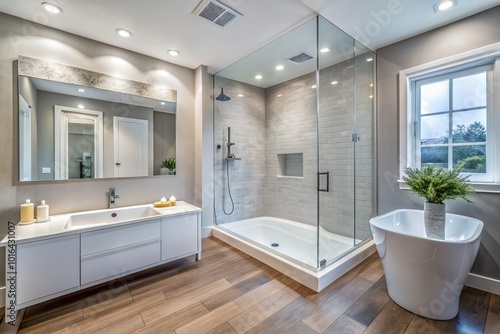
{"type": "Point", "coordinates": [43, 69]}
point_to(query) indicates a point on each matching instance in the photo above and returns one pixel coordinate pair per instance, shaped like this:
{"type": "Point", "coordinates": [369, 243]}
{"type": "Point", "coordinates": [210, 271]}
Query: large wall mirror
{"type": "Point", "coordinates": [79, 124]}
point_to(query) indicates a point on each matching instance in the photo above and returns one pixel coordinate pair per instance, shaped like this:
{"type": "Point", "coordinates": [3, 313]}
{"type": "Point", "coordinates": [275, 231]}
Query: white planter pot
{"type": "Point", "coordinates": [434, 220]}
{"type": "Point", "coordinates": [163, 171]}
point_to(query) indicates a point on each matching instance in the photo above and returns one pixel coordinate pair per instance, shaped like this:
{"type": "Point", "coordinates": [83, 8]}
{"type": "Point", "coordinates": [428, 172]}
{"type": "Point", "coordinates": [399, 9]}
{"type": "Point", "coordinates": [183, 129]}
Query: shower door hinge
{"type": "Point", "coordinates": [355, 137]}
{"type": "Point", "coordinates": [322, 263]}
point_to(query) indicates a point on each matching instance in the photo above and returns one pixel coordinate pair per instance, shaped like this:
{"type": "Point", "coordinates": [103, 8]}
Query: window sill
{"type": "Point", "coordinates": [480, 187]}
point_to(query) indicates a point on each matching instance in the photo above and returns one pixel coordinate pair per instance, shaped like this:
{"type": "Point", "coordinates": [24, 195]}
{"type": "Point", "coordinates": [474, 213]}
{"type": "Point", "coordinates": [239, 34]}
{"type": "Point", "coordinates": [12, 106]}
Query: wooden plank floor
{"type": "Point", "coordinates": [230, 292]}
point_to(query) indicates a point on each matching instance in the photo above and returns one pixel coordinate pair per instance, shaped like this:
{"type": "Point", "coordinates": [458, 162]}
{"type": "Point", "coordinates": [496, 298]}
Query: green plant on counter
{"type": "Point", "coordinates": [437, 184]}
{"type": "Point", "coordinates": [168, 163]}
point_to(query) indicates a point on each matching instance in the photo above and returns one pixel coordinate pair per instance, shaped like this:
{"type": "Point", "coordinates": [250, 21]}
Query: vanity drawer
{"type": "Point", "coordinates": [115, 263]}
{"type": "Point", "coordinates": [108, 239]}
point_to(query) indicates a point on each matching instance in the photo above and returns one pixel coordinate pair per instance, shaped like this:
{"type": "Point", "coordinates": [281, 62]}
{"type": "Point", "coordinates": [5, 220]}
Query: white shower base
{"type": "Point", "coordinates": [295, 255]}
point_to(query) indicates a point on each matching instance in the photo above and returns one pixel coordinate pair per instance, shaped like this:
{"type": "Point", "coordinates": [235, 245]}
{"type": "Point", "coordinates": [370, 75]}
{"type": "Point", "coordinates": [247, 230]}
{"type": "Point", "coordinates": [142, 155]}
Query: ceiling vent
{"type": "Point", "coordinates": [300, 58]}
{"type": "Point", "coordinates": [217, 13]}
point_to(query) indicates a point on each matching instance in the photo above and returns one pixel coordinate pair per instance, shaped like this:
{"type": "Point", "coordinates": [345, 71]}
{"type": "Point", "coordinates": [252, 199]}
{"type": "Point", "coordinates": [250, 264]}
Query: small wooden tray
{"type": "Point", "coordinates": [160, 204]}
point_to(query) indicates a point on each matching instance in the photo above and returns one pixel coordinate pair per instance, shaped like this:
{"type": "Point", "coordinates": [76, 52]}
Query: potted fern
{"type": "Point", "coordinates": [167, 166]}
{"type": "Point", "coordinates": [436, 185]}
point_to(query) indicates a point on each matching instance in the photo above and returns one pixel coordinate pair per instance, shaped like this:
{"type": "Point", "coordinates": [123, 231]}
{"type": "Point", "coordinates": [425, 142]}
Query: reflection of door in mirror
{"type": "Point", "coordinates": [78, 143]}
{"type": "Point", "coordinates": [24, 140]}
{"type": "Point", "coordinates": [131, 146]}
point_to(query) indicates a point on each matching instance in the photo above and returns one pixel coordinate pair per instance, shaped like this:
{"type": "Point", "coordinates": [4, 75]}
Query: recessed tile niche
{"type": "Point", "coordinates": [291, 164]}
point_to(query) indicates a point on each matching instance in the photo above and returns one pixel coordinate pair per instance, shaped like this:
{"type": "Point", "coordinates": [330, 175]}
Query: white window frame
{"type": "Point", "coordinates": [458, 62]}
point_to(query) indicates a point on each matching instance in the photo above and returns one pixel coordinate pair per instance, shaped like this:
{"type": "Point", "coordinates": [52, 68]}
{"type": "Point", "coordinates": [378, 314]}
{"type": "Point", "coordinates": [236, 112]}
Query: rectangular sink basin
{"type": "Point", "coordinates": [110, 216]}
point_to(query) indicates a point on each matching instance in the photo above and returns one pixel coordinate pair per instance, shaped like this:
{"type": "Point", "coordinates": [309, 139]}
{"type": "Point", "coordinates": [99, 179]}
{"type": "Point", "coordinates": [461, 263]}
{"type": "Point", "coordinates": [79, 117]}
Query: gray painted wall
{"type": "Point", "coordinates": [20, 37]}
{"type": "Point", "coordinates": [468, 34]}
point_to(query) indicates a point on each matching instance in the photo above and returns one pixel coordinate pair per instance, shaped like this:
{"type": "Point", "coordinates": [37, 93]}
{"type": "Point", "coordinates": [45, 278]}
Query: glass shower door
{"type": "Point", "coordinates": [337, 139]}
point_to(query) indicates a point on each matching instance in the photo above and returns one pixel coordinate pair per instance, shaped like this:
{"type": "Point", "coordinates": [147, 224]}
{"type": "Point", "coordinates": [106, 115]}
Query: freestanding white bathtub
{"type": "Point", "coordinates": [291, 248]}
{"type": "Point", "coordinates": [426, 276]}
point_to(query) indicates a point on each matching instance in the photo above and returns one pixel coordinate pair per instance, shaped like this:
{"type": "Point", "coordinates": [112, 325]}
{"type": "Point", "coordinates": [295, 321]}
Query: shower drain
{"type": "Point", "coordinates": [275, 244]}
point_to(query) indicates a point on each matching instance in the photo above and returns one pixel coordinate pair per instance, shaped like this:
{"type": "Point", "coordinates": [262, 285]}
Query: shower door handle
{"type": "Point", "coordinates": [327, 189]}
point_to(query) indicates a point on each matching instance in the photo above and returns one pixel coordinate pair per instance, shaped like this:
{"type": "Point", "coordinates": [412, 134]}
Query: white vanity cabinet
{"type": "Point", "coordinates": [52, 260]}
{"type": "Point", "coordinates": [47, 268]}
{"type": "Point", "coordinates": [117, 251]}
{"type": "Point", "coordinates": [180, 237]}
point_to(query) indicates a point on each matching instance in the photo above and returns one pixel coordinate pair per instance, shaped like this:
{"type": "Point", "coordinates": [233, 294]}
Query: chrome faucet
{"type": "Point", "coordinates": [112, 197]}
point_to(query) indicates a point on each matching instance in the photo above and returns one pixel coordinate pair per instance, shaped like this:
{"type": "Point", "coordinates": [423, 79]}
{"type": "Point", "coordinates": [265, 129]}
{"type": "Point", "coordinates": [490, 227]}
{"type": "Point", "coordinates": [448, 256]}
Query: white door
{"type": "Point", "coordinates": [131, 146]}
{"type": "Point", "coordinates": [65, 119]}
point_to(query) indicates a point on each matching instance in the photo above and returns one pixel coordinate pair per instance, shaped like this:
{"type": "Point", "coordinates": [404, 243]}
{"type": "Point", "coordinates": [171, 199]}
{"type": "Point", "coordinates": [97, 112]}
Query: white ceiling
{"type": "Point", "coordinates": [169, 24]}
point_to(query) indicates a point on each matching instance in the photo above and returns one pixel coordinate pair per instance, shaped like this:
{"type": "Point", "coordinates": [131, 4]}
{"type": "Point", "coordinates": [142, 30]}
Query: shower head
{"type": "Point", "coordinates": [222, 96]}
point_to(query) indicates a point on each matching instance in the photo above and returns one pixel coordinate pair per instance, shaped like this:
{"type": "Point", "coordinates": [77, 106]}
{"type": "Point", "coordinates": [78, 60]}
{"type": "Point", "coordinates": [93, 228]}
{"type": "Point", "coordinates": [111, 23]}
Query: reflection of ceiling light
{"type": "Point", "coordinates": [81, 90]}
{"type": "Point", "coordinates": [444, 5]}
{"type": "Point", "coordinates": [371, 85]}
{"type": "Point", "coordinates": [334, 82]}
{"type": "Point", "coordinates": [313, 86]}
{"type": "Point", "coordinates": [123, 32]}
{"type": "Point", "coordinates": [280, 67]}
{"type": "Point", "coordinates": [241, 95]}
{"type": "Point", "coordinates": [279, 95]}
{"type": "Point", "coordinates": [371, 96]}
{"type": "Point", "coordinates": [173, 53]}
{"type": "Point", "coordinates": [369, 59]}
{"type": "Point", "coordinates": [162, 103]}
{"type": "Point", "coordinates": [258, 77]}
{"type": "Point", "coordinates": [51, 8]}
{"type": "Point", "coordinates": [81, 106]}
{"type": "Point", "coordinates": [324, 50]}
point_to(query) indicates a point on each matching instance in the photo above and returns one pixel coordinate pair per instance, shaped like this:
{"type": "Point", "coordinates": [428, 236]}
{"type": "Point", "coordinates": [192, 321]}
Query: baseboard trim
{"type": "Point", "coordinates": [483, 283]}
{"type": "Point", "coordinates": [206, 232]}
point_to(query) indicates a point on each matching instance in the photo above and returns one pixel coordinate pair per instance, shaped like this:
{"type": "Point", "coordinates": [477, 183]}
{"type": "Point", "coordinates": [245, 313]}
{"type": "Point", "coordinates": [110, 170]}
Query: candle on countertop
{"type": "Point", "coordinates": [42, 212]}
{"type": "Point", "coordinates": [27, 212]}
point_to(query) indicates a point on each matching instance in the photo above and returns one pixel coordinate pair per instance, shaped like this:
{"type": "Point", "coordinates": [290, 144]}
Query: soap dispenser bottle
{"type": "Point", "coordinates": [42, 212]}
{"type": "Point", "coordinates": [27, 212]}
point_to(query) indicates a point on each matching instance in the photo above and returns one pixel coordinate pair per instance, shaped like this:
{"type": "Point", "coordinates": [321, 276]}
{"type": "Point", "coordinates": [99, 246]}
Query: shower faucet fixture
{"type": "Point", "coordinates": [230, 156]}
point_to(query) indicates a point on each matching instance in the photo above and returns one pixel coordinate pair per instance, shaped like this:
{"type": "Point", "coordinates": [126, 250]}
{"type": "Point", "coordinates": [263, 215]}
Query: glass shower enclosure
{"type": "Point", "coordinates": [294, 145]}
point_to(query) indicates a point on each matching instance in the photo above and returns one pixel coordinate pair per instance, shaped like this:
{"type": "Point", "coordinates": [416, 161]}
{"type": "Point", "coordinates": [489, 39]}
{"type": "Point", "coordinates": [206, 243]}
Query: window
{"type": "Point", "coordinates": [450, 116]}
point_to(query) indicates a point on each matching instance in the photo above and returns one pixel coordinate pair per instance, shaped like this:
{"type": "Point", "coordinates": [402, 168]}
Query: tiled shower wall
{"type": "Point", "coordinates": [266, 124]}
{"type": "Point", "coordinates": [245, 115]}
{"type": "Point", "coordinates": [291, 127]}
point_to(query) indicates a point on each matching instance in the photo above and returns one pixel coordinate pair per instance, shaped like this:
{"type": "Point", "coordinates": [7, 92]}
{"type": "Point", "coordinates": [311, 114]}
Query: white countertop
{"type": "Point", "coordinates": [55, 226]}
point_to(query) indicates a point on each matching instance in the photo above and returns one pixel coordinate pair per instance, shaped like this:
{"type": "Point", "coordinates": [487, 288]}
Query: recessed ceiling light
{"type": "Point", "coordinates": [241, 95]}
{"type": "Point", "coordinates": [280, 67]}
{"type": "Point", "coordinates": [173, 53]}
{"type": "Point", "coordinates": [81, 90]}
{"type": "Point", "coordinates": [444, 5]}
{"type": "Point", "coordinates": [371, 96]}
{"type": "Point", "coordinates": [371, 85]}
{"type": "Point", "coordinates": [81, 106]}
{"type": "Point", "coordinates": [258, 77]}
{"type": "Point", "coordinates": [324, 50]}
{"type": "Point", "coordinates": [369, 59]}
{"type": "Point", "coordinates": [124, 33]}
{"type": "Point", "coordinates": [334, 82]}
{"type": "Point", "coordinates": [313, 86]}
{"type": "Point", "coordinates": [279, 95]}
{"type": "Point", "coordinates": [51, 8]}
